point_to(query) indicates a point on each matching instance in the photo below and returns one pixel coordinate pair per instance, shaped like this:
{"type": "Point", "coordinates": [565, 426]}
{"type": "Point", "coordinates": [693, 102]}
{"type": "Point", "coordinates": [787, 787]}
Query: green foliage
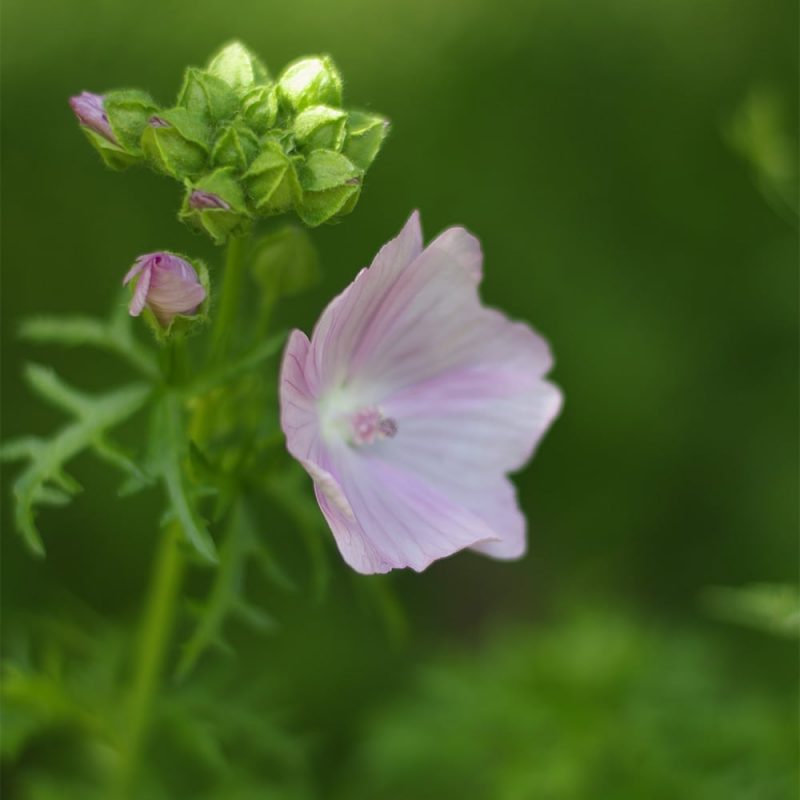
{"type": "Point", "coordinates": [599, 707]}
{"type": "Point", "coordinates": [44, 481]}
{"type": "Point", "coordinates": [770, 607]}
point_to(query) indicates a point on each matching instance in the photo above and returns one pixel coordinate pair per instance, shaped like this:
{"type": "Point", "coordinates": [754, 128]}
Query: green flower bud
{"type": "Point", "coordinates": [365, 135]}
{"type": "Point", "coordinates": [238, 67]}
{"type": "Point", "coordinates": [260, 108]}
{"type": "Point", "coordinates": [320, 128]}
{"type": "Point", "coordinates": [208, 96]}
{"type": "Point", "coordinates": [176, 142]}
{"type": "Point", "coordinates": [272, 181]}
{"type": "Point", "coordinates": [128, 112]}
{"type": "Point", "coordinates": [285, 262]}
{"type": "Point", "coordinates": [237, 146]}
{"type": "Point", "coordinates": [310, 82]}
{"type": "Point", "coordinates": [331, 185]}
{"type": "Point", "coordinates": [216, 204]}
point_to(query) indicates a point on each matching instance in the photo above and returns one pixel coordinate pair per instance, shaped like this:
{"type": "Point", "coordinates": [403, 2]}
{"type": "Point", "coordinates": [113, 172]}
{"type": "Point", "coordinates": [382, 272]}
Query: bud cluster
{"type": "Point", "coordinates": [244, 146]}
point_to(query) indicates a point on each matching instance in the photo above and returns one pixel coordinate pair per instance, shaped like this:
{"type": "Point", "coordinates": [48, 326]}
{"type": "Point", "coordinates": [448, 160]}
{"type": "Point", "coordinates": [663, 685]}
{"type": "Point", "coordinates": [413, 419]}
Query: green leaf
{"type": "Point", "coordinates": [225, 597]}
{"type": "Point", "coordinates": [40, 482]}
{"type": "Point", "coordinates": [285, 262]}
{"type": "Point", "coordinates": [168, 436]}
{"type": "Point", "coordinates": [115, 336]}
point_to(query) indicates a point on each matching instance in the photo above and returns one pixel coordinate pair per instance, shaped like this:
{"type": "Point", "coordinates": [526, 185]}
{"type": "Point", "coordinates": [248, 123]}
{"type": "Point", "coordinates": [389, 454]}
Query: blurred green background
{"type": "Point", "coordinates": [630, 169]}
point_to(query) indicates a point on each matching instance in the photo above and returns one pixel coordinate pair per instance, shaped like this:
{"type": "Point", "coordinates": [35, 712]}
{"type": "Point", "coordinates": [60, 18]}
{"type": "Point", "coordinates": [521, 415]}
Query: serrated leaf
{"type": "Point", "coordinates": [44, 381]}
{"type": "Point", "coordinates": [114, 336]}
{"type": "Point", "coordinates": [225, 597]}
{"type": "Point", "coordinates": [96, 414]}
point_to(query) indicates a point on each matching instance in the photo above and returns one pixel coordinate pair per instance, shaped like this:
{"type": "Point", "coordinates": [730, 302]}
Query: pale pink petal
{"type": "Point", "coordinates": [140, 295]}
{"type": "Point", "coordinates": [137, 267]}
{"type": "Point", "coordinates": [298, 410]}
{"type": "Point", "coordinates": [463, 248]}
{"type": "Point", "coordinates": [397, 519]}
{"type": "Point", "coordinates": [344, 321]}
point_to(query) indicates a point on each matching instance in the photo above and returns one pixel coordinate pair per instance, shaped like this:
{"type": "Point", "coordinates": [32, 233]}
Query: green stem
{"type": "Point", "coordinates": [157, 627]}
{"type": "Point", "coordinates": [228, 308]}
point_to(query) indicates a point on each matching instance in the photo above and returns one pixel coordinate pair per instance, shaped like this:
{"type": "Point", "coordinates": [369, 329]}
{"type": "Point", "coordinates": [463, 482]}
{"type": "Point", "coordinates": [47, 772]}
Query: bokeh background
{"type": "Point", "coordinates": [630, 168]}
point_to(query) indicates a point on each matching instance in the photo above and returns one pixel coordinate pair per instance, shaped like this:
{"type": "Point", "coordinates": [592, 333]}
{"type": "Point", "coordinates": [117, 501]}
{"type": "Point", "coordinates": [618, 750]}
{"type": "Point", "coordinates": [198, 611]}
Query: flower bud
{"type": "Point", "coordinates": [216, 205]}
{"type": "Point", "coordinates": [167, 285]}
{"type": "Point", "coordinates": [236, 147]}
{"type": "Point", "coordinates": [365, 135]}
{"type": "Point", "coordinates": [310, 82]}
{"type": "Point", "coordinates": [176, 142]}
{"type": "Point", "coordinates": [260, 108]}
{"type": "Point", "coordinates": [272, 181]}
{"type": "Point", "coordinates": [208, 96]}
{"type": "Point", "coordinates": [320, 127]}
{"type": "Point", "coordinates": [129, 111]}
{"type": "Point", "coordinates": [90, 110]}
{"type": "Point", "coordinates": [238, 67]}
{"type": "Point", "coordinates": [330, 186]}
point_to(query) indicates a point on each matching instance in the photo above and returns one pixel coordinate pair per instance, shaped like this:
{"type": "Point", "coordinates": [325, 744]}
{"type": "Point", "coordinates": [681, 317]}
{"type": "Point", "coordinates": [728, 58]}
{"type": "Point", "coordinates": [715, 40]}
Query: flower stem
{"type": "Point", "coordinates": [228, 307]}
{"type": "Point", "coordinates": [155, 634]}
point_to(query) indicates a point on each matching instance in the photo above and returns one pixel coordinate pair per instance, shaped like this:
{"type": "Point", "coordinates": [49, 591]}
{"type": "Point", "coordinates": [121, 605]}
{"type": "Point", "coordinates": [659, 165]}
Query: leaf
{"type": "Point", "coordinates": [225, 597]}
{"type": "Point", "coordinates": [44, 480]}
{"type": "Point", "coordinates": [171, 448]}
{"type": "Point", "coordinates": [115, 336]}
{"type": "Point", "coordinates": [44, 382]}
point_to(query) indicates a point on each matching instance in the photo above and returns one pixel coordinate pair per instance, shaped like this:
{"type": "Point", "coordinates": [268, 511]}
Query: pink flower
{"type": "Point", "coordinates": [168, 285]}
{"type": "Point", "coordinates": [410, 405]}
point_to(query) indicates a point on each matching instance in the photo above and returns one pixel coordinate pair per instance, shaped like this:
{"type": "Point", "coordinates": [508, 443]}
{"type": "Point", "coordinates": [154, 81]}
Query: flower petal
{"type": "Point", "coordinates": [140, 295]}
{"type": "Point", "coordinates": [397, 519]}
{"type": "Point", "coordinates": [344, 321]}
{"type": "Point", "coordinates": [298, 411]}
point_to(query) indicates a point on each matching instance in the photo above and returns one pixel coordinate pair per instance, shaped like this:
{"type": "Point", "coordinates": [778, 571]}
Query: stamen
{"type": "Point", "coordinates": [369, 425]}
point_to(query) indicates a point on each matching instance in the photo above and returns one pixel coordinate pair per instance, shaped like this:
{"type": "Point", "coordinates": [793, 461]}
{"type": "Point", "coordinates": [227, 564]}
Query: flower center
{"type": "Point", "coordinates": [368, 425]}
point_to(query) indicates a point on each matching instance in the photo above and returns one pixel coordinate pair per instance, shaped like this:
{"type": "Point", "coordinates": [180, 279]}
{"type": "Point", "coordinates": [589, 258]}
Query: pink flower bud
{"type": "Point", "coordinates": [200, 200]}
{"type": "Point", "coordinates": [91, 114]}
{"type": "Point", "coordinates": [168, 285]}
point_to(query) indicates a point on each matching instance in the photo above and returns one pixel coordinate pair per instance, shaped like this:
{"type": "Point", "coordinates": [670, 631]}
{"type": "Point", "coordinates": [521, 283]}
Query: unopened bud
{"type": "Point", "coordinates": [208, 96]}
{"type": "Point", "coordinates": [272, 181]}
{"type": "Point", "coordinates": [320, 127]}
{"type": "Point", "coordinates": [216, 205]}
{"type": "Point", "coordinates": [166, 284]}
{"type": "Point", "coordinates": [176, 142]}
{"type": "Point", "coordinates": [330, 186]}
{"type": "Point", "coordinates": [90, 110]}
{"type": "Point", "coordinates": [310, 82]}
{"type": "Point", "coordinates": [260, 108]}
{"type": "Point", "coordinates": [238, 67]}
{"type": "Point", "coordinates": [365, 135]}
{"type": "Point", "coordinates": [236, 147]}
